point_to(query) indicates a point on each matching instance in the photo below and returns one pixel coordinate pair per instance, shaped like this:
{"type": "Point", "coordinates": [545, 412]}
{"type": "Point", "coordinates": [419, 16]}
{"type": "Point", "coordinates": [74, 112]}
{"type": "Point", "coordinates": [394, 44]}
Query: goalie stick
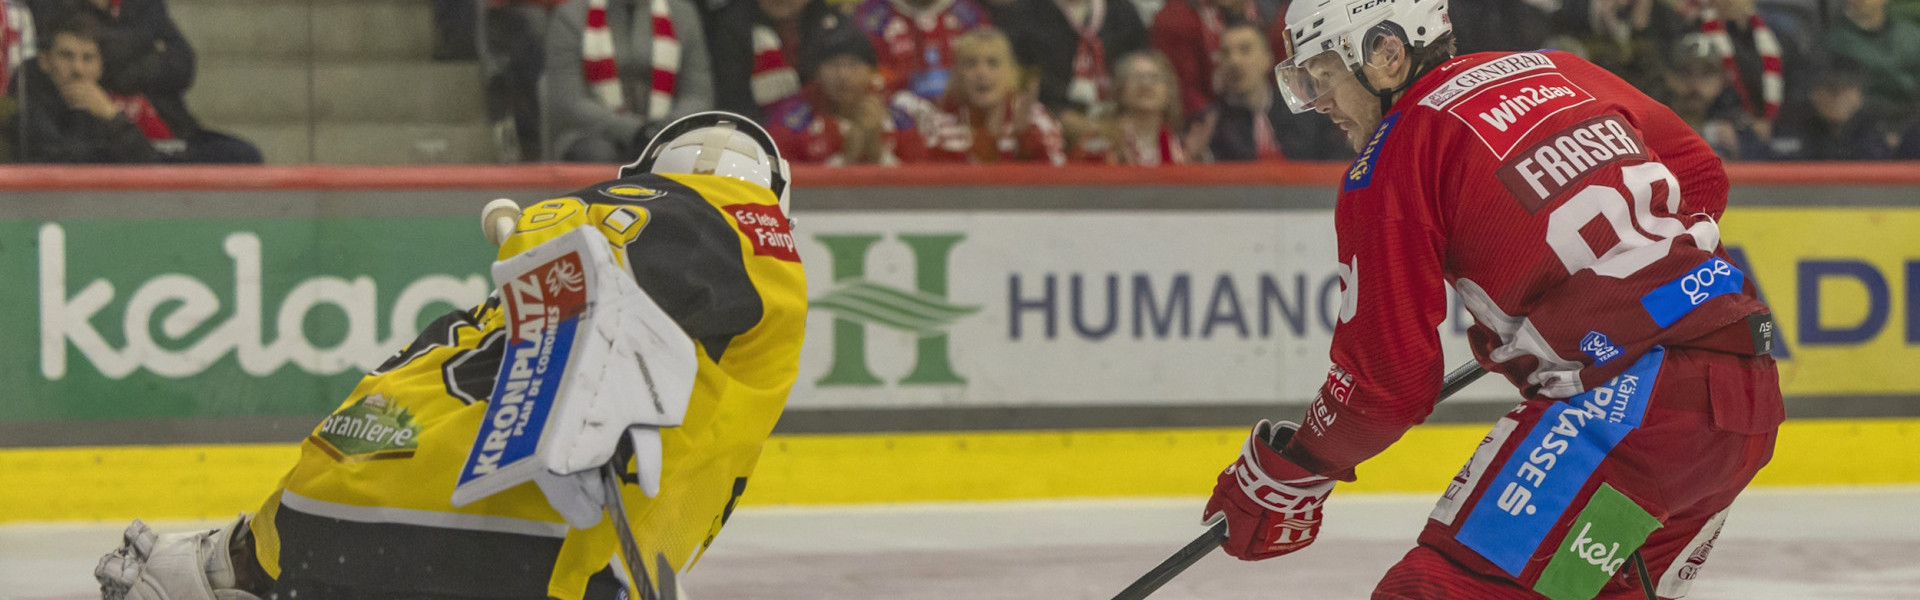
{"type": "Point", "coordinates": [610, 480]}
{"type": "Point", "coordinates": [1217, 534]}
{"type": "Point", "coordinates": [1201, 546]}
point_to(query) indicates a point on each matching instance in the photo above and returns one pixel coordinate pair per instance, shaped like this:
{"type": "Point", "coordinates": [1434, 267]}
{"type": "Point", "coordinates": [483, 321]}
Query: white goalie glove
{"type": "Point", "coordinates": [590, 357]}
{"type": "Point", "coordinates": [175, 566]}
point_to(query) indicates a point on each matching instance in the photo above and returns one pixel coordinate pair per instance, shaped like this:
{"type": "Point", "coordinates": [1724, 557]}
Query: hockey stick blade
{"type": "Point", "coordinates": [1201, 546]}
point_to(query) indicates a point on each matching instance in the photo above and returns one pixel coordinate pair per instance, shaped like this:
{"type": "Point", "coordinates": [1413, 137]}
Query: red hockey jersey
{"type": "Point", "coordinates": [1574, 215]}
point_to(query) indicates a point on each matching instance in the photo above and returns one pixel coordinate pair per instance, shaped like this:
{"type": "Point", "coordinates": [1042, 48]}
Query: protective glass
{"type": "Point", "coordinates": [1306, 80]}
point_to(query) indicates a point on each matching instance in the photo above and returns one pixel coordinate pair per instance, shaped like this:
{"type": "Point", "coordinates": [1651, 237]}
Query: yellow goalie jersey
{"type": "Point", "coordinates": [366, 510]}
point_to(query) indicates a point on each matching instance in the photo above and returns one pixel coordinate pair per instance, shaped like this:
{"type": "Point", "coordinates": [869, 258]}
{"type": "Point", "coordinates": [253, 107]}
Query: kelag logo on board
{"type": "Point", "coordinates": [857, 303]}
{"type": "Point", "coordinates": [197, 326]}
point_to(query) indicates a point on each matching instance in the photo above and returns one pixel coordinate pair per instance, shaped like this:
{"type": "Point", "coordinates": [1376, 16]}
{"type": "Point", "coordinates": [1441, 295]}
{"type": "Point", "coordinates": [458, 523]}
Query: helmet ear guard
{"type": "Point", "coordinates": [1369, 43]}
{"type": "Point", "coordinates": [713, 147]}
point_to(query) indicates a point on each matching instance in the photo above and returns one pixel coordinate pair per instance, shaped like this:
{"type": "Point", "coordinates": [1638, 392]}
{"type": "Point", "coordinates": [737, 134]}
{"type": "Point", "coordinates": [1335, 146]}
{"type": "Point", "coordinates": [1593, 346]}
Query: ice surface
{"type": "Point", "coordinates": [1779, 544]}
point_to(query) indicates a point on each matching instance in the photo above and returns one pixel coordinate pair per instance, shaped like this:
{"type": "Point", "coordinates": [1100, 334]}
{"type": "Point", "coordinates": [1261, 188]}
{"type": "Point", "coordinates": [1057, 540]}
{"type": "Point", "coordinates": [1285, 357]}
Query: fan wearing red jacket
{"type": "Point", "coordinates": [1577, 219]}
{"type": "Point", "coordinates": [914, 40]}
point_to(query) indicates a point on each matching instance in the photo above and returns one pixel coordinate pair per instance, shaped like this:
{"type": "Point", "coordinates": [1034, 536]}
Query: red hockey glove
{"type": "Point", "coordinates": [1272, 506]}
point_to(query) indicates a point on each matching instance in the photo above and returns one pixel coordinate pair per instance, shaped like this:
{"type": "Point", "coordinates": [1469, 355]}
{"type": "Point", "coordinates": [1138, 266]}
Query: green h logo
{"type": "Point", "coordinates": [857, 303]}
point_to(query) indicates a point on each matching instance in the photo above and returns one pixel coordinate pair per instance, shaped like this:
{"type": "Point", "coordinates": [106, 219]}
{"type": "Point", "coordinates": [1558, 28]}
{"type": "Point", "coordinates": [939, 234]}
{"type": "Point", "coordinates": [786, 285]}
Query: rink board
{"type": "Point", "coordinates": [1079, 332]}
{"type": "Point", "coordinates": [168, 313]}
{"type": "Point", "coordinates": [209, 482]}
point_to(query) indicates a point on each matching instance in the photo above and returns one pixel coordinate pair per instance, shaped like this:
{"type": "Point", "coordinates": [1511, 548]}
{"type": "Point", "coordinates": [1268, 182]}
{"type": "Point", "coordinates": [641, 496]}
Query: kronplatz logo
{"type": "Point", "coordinates": [857, 303]}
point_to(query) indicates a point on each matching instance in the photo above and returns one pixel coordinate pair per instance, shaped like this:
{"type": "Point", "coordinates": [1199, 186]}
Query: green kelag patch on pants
{"type": "Point", "coordinates": [1605, 533]}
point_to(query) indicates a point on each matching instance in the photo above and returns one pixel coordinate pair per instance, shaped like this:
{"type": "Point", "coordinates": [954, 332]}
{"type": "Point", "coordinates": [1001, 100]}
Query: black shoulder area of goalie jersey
{"type": "Point", "coordinates": [688, 258]}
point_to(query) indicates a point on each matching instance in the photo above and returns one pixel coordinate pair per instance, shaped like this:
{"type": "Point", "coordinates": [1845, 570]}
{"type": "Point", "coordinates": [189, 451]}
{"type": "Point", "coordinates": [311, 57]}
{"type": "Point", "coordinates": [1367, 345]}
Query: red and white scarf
{"type": "Point", "coordinates": [1090, 85]}
{"type": "Point", "coordinates": [16, 38]}
{"type": "Point", "coordinates": [1772, 85]}
{"type": "Point", "coordinates": [603, 75]}
{"type": "Point", "coordinates": [1265, 147]}
{"type": "Point", "coordinates": [1162, 148]}
{"type": "Point", "coordinates": [773, 77]}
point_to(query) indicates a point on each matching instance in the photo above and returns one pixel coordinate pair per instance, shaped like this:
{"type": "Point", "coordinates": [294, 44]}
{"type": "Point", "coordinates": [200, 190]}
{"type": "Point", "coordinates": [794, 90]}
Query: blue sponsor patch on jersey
{"type": "Point", "coordinates": [1716, 277]}
{"type": "Point", "coordinates": [1597, 346]}
{"type": "Point", "coordinates": [523, 395]}
{"type": "Point", "coordinates": [1538, 482]}
{"type": "Point", "coordinates": [1360, 175]}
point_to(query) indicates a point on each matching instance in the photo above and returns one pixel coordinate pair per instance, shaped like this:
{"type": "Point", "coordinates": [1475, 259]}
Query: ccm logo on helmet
{"type": "Point", "coordinates": [1360, 8]}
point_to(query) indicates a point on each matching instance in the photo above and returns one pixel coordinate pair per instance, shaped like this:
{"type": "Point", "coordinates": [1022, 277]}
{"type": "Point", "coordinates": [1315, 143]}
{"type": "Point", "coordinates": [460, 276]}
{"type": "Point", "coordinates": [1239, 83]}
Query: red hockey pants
{"type": "Point", "coordinates": [1506, 528]}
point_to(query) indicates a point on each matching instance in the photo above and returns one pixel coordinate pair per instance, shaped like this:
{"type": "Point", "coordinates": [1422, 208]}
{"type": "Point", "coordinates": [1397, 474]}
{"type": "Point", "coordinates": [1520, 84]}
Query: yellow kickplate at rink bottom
{"type": "Point", "coordinates": [207, 482]}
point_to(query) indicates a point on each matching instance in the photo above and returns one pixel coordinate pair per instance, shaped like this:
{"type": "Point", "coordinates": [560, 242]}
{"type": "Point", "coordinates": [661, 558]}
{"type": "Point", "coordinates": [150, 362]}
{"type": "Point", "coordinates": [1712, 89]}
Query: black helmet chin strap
{"type": "Point", "coordinates": [1386, 95]}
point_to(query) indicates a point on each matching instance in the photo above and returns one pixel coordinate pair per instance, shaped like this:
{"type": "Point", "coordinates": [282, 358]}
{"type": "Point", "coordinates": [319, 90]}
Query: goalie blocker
{"type": "Point", "coordinates": [588, 356]}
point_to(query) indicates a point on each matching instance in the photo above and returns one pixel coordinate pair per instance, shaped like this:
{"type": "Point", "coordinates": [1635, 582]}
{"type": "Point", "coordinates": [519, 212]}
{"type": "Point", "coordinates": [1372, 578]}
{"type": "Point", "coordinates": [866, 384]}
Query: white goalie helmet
{"type": "Point", "coordinates": [1346, 29]}
{"type": "Point", "coordinates": [716, 143]}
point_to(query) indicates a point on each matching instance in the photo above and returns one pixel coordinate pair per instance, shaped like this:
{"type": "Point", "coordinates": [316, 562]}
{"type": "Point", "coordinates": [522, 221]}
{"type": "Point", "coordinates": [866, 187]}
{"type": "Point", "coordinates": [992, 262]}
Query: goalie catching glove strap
{"type": "Point", "coordinates": [1272, 506]}
{"type": "Point", "coordinates": [175, 566]}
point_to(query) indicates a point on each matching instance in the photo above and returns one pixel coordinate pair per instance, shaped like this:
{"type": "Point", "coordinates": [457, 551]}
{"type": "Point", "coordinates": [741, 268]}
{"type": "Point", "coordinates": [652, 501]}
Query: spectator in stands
{"type": "Point", "coordinates": [610, 88]}
{"type": "Point", "coordinates": [1189, 31]}
{"type": "Point", "coordinates": [1248, 122]}
{"type": "Point", "coordinates": [841, 118]}
{"type": "Point", "coordinates": [1835, 127]}
{"type": "Point", "coordinates": [1501, 25]}
{"type": "Point", "coordinates": [1627, 37]}
{"type": "Point", "coordinates": [1145, 126]}
{"type": "Point", "coordinates": [1764, 68]}
{"type": "Point", "coordinates": [756, 47]}
{"type": "Point", "coordinates": [1070, 43]}
{"type": "Point", "coordinates": [914, 41]}
{"type": "Point", "coordinates": [516, 49]}
{"type": "Point", "coordinates": [1697, 92]}
{"type": "Point", "coordinates": [68, 117]}
{"type": "Point", "coordinates": [990, 113]}
{"type": "Point", "coordinates": [147, 67]}
{"type": "Point", "coordinates": [1888, 49]}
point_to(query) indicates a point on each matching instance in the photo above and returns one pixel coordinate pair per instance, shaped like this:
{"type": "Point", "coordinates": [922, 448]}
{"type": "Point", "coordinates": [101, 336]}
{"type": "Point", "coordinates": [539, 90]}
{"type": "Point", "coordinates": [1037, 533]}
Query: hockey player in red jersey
{"type": "Point", "coordinates": [1576, 218]}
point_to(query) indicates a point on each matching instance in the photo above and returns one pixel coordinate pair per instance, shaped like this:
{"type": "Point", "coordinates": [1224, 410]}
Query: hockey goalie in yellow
{"type": "Point", "coordinates": [371, 508]}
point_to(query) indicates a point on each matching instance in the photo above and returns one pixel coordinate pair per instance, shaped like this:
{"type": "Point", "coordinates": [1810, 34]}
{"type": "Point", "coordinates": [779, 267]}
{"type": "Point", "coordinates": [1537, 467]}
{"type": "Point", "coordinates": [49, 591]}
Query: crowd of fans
{"type": "Point", "coordinates": [1136, 82]}
{"type": "Point", "coordinates": [1152, 82]}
